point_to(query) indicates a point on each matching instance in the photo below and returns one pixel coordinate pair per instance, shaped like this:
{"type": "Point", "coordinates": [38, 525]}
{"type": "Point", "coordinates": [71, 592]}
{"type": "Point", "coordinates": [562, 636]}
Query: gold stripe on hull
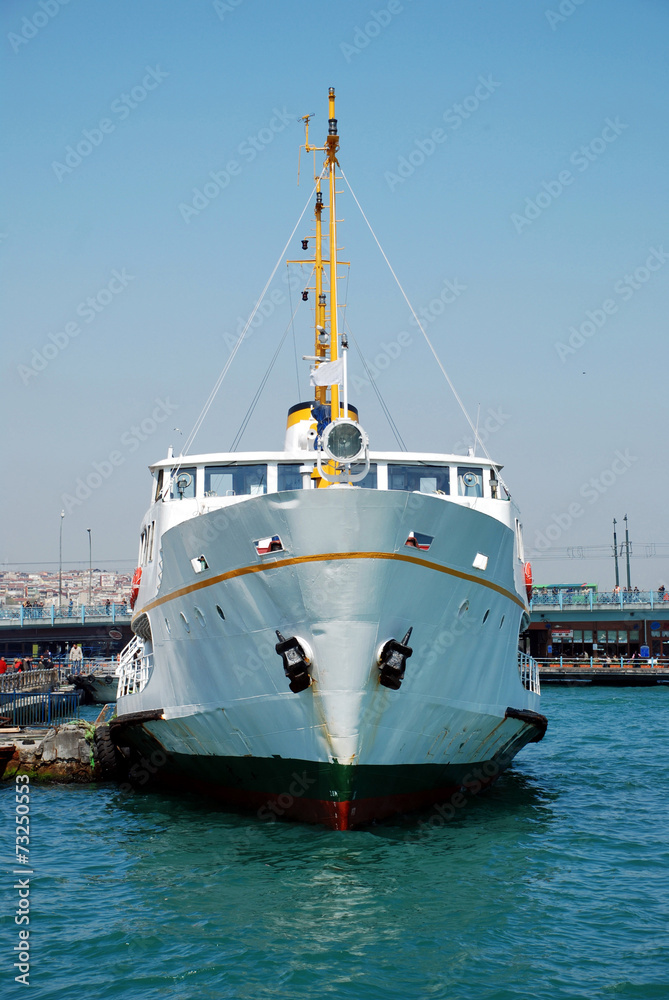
{"type": "Point", "coordinates": [328, 557]}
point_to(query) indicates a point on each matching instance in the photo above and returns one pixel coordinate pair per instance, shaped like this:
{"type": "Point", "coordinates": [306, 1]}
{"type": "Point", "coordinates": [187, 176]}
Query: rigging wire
{"type": "Point", "coordinates": [226, 366]}
{"type": "Point", "coordinates": [422, 330]}
{"type": "Point", "coordinates": [393, 426]}
{"type": "Point", "coordinates": [386, 411]}
{"type": "Point", "coordinates": [259, 390]}
{"type": "Point", "coordinates": [297, 368]}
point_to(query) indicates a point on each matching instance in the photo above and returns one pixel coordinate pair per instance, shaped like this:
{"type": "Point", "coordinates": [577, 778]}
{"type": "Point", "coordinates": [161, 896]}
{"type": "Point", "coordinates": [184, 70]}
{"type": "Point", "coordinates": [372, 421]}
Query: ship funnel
{"type": "Point", "coordinates": [307, 421]}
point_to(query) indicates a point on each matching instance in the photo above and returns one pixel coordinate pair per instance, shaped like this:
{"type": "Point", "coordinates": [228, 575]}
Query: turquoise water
{"type": "Point", "coordinates": [554, 884]}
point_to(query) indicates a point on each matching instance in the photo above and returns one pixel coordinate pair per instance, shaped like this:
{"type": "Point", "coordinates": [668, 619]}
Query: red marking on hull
{"type": "Point", "coordinates": [336, 815]}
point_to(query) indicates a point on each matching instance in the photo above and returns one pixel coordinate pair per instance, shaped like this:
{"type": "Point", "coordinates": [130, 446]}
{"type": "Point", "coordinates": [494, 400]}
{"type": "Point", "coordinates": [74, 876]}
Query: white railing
{"type": "Point", "coordinates": [528, 668]}
{"type": "Point", "coordinates": [600, 600]}
{"type": "Point", "coordinates": [29, 680]}
{"type": "Point", "coordinates": [135, 668]}
{"type": "Point", "coordinates": [593, 662]}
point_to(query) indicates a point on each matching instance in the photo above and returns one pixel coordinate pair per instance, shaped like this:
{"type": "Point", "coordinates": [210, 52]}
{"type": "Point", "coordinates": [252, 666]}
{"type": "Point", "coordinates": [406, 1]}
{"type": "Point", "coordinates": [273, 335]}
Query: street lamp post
{"type": "Point", "coordinates": [627, 553]}
{"type": "Point", "coordinates": [615, 553]}
{"type": "Point", "coordinates": [90, 565]}
{"type": "Point", "coordinates": [60, 561]}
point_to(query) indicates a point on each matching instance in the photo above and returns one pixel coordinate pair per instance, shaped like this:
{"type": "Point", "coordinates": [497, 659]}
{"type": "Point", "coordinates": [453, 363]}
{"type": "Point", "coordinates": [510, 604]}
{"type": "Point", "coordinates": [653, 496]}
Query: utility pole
{"type": "Point", "coordinates": [615, 552]}
{"type": "Point", "coordinates": [60, 561]}
{"type": "Point", "coordinates": [90, 565]}
{"type": "Point", "coordinates": [627, 553]}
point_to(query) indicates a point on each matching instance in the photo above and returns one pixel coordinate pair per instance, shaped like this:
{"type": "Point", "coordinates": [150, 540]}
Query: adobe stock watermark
{"type": "Point", "coordinates": [31, 26]}
{"type": "Point", "coordinates": [129, 442]}
{"type": "Point", "coordinates": [454, 116]}
{"type": "Point", "coordinates": [371, 29]}
{"type": "Point", "coordinates": [581, 158]}
{"type": "Point", "coordinates": [591, 491]}
{"type": "Point", "coordinates": [265, 310]}
{"type": "Point", "coordinates": [122, 107]}
{"type": "Point", "coordinates": [223, 7]}
{"type": "Point", "coordinates": [625, 288]}
{"type": "Point", "coordinates": [247, 150]}
{"type": "Point", "coordinates": [22, 950]}
{"type": "Point", "coordinates": [142, 771]}
{"type": "Point", "coordinates": [565, 9]}
{"type": "Point", "coordinates": [279, 806]}
{"type": "Point", "coordinates": [88, 310]}
{"type": "Point", "coordinates": [493, 422]}
{"type": "Point", "coordinates": [452, 289]}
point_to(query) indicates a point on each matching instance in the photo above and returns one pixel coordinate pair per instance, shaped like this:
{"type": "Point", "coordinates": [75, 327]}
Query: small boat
{"type": "Point", "coordinates": [326, 632]}
{"type": "Point", "coordinates": [99, 685]}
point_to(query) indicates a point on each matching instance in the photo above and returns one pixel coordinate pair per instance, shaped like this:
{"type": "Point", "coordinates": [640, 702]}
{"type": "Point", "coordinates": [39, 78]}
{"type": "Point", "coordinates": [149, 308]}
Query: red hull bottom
{"type": "Point", "coordinates": [335, 815]}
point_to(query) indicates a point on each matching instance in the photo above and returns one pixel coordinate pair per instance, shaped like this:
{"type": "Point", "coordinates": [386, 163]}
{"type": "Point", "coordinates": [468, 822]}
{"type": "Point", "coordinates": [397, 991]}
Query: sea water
{"type": "Point", "coordinates": [553, 884]}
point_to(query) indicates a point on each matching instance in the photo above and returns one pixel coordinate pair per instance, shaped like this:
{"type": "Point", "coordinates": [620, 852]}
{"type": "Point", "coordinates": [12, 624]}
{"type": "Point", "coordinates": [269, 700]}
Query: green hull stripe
{"type": "Point", "coordinates": [315, 779]}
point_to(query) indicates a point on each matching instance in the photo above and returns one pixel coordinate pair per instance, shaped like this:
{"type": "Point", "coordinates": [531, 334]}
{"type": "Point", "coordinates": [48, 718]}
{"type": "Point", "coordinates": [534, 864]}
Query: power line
{"type": "Point", "coordinates": [70, 562]}
{"type": "Point", "coordinates": [643, 550]}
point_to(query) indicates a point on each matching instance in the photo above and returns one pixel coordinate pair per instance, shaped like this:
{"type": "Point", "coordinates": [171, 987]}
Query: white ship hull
{"type": "Point", "coordinates": [216, 711]}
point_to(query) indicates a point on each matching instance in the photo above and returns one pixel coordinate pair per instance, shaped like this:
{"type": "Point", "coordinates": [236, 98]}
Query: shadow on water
{"type": "Point", "coordinates": [515, 797]}
{"type": "Point", "coordinates": [516, 803]}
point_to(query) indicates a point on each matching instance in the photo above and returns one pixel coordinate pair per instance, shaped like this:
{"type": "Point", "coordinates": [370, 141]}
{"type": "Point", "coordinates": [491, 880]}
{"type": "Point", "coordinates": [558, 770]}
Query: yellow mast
{"type": "Point", "coordinates": [332, 145]}
{"type": "Point", "coordinates": [330, 149]}
{"type": "Point", "coordinates": [321, 390]}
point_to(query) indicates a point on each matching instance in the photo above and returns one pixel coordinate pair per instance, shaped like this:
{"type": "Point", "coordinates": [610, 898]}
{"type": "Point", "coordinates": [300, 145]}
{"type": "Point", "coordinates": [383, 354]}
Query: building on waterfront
{"type": "Point", "coordinates": [576, 622]}
{"type": "Point", "coordinates": [47, 588]}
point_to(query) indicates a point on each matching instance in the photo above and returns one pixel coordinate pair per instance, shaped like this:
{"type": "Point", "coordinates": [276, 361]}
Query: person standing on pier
{"type": "Point", "coordinates": [3, 665]}
{"type": "Point", "coordinates": [76, 658]}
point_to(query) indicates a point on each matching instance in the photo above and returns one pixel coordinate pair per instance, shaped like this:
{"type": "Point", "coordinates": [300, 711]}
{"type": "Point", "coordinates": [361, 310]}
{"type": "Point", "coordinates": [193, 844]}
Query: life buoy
{"type": "Point", "coordinates": [528, 581]}
{"type": "Point", "coordinates": [134, 591]}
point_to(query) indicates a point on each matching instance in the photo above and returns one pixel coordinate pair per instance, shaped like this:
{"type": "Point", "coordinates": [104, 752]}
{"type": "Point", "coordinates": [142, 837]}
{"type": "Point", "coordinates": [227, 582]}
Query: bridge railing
{"type": "Point", "coordinates": [601, 600]}
{"type": "Point", "coordinates": [588, 662]}
{"type": "Point", "coordinates": [63, 615]}
{"type": "Point", "coordinates": [39, 710]}
{"type": "Point", "coordinates": [28, 680]}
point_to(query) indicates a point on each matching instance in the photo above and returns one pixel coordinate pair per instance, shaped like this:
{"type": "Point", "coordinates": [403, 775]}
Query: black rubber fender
{"type": "Point", "coordinates": [107, 757]}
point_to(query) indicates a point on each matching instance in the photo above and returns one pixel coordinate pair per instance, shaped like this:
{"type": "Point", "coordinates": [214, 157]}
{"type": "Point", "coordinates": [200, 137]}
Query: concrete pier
{"type": "Point", "coordinates": [63, 754]}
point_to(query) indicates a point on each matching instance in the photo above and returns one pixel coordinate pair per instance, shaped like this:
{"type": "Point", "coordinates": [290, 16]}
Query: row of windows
{"type": "Point", "coordinates": [590, 635]}
{"type": "Point", "coordinates": [251, 480]}
{"type": "Point", "coordinates": [146, 540]}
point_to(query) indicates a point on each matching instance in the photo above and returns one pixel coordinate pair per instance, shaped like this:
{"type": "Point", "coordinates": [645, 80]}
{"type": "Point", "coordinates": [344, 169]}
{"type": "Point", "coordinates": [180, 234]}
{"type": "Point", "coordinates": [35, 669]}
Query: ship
{"type": "Point", "coordinates": [328, 633]}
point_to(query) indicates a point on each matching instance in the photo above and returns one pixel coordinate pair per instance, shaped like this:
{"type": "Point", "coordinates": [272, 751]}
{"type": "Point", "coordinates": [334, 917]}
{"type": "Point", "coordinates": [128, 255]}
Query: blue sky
{"type": "Point", "coordinates": [514, 152]}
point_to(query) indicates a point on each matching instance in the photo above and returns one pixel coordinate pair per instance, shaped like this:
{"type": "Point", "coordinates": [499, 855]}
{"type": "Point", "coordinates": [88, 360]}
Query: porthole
{"type": "Point", "coordinates": [185, 621]}
{"type": "Point", "coordinates": [219, 609]}
{"type": "Point", "coordinates": [469, 479]}
{"type": "Point", "coordinates": [167, 626]}
{"type": "Point", "coordinates": [199, 614]}
{"type": "Point", "coordinates": [501, 622]}
{"type": "Point", "coordinates": [463, 609]}
{"type": "Point", "coordinates": [485, 617]}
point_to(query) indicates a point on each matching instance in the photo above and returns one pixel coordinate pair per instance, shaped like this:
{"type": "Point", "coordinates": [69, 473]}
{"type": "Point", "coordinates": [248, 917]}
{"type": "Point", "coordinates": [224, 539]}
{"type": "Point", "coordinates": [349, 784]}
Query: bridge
{"type": "Point", "coordinates": [27, 631]}
{"type": "Point", "coordinates": [589, 600]}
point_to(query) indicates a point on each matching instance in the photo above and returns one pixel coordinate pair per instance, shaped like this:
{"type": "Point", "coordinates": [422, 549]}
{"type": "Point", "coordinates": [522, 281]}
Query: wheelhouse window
{"type": "Point", "coordinates": [182, 484]}
{"type": "Point", "coordinates": [470, 481]}
{"type": "Point", "coordinates": [289, 477]}
{"type": "Point", "coordinates": [235, 480]}
{"type": "Point", "coordinates": [369, 482]}
{"type": "Point", "coordinates": [422, 478]}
